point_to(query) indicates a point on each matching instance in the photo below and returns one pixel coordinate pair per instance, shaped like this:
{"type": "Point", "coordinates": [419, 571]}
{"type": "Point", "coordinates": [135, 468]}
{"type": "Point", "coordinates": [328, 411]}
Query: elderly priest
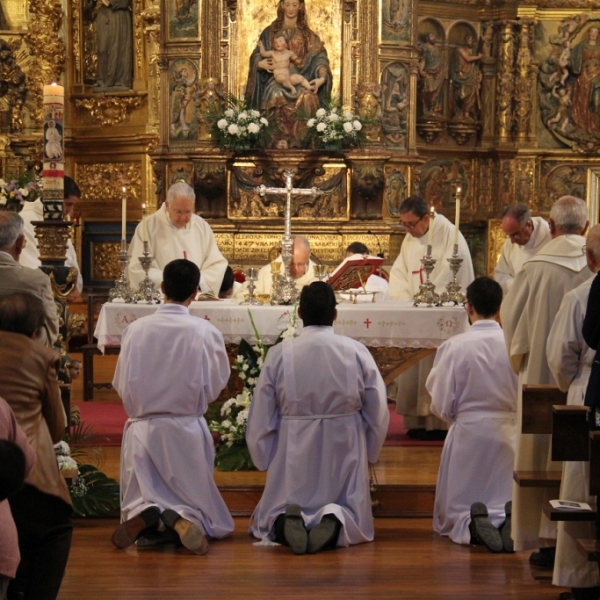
{"type": "Point", "coordinates": [175, 231]}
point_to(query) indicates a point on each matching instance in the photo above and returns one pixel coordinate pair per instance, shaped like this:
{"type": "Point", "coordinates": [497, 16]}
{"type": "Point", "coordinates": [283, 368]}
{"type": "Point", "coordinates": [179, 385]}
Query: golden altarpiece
{"type": "Point", "coordinates": [499, 97]}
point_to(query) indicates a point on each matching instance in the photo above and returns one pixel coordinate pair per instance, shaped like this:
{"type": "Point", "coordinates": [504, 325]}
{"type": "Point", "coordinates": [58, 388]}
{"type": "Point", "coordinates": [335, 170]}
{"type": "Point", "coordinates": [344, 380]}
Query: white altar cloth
{"type": "Point", "coordinates": [390, 324]}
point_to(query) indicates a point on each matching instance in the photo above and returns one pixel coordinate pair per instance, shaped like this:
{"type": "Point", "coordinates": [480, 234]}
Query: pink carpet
{"type": "Point", "coordinates": [108, 418]}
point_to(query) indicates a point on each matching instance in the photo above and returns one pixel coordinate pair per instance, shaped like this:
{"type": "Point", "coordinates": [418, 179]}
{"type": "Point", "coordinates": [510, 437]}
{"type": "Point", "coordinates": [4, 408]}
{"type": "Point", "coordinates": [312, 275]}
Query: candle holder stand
{"type": "Point", "coordinates": [146, 292]}
{"type": "Point", "coordinates": [453, 294]}
{"type": "Point", "coordinates": [121, 291]}
{"type": "Point", "coordinates": [427, 295]}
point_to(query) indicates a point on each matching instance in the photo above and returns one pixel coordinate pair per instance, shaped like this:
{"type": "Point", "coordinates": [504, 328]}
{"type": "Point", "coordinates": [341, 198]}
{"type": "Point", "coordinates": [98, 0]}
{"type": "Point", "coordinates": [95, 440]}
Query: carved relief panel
{"type": "Point", "coordinates": [183, 98]}
{"type": "Point", "coordinates": [395, 104]}
{"type": "Point", "coordinates": [439, 178]}
{"type": "Point", "coordinates": [396, 22]}
{"type": "Point", "coordinates": [560, 179]}
{"type": "Point", "coordinates": [396, 190]}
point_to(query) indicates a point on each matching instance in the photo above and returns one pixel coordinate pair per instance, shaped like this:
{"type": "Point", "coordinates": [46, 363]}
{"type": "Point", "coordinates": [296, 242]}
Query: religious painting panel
{"type": "Point", "coordinates": [396, 190]}
{"type": "Point", "coordinates": [395, 104]}
{"type": "Point", "coordinates": [183, 97]}
{"type": "Point", "coordinates": [569, 80]}
{"type": "Point", "coordinates": [559, 178]}
{"type": "Point", "coordinates": [367, 188]}
{"type": "Point", "coordinates": [431, 70]}
{"type": "Point", "coordinates": [318, 22]}
{"type": "Point", "coordinates": [210, 185]}
{"type": "Point", "coordinates": [439, 179]}
{"type": "Point", "coordinates": [396, 21]}
{"type": "Point", "coordinates": [182, 18]}
{"type": "Point", "coordinates": [331, 178]}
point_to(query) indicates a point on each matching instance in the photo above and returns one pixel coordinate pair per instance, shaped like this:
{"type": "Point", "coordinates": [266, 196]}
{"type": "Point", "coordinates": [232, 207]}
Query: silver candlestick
{"type": "Point", "coordinates": [427, 294]}
{"type": "Point", "coordinates": [251, 276]}
{"type": "Point", "coordinates": [121, 291]}
{"type": "Point", "coordinates": [453, 293]}
{"type": "Point", "coordinates": [146, 292]}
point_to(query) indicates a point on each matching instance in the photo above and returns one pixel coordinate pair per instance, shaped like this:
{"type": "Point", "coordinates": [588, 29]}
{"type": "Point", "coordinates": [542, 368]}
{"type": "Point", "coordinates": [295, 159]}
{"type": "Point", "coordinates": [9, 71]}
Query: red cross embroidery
{"type": "Point", "coordinates": [420, 273]}
{"type": "Point", "coordinates": [206, 318]}
{"type": "Point", "coordinates": [367, 322]}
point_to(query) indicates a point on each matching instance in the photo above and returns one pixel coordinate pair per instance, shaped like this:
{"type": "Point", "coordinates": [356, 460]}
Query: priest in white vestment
{"type": "Point", "coordinates": [34, 211]}
{"type": "Point", "coordinates": [318, 418]}
{"type": "Point", "coordinates": [175, 231]}
{"type": "Point", "coordinates": [473, 388]}
{"type": "Point", "coordinates": [570, 360]}
{"type": "Point", "coordinates": [527, 235]}
{"type": "Point", "coordinates": [301, 270]}
{"type": "Point", "coordinates": [527, 315]}
{"type": "Point", "coordinates": [412, 399]}
{"type": "Point", "coordinates": [171, 366]}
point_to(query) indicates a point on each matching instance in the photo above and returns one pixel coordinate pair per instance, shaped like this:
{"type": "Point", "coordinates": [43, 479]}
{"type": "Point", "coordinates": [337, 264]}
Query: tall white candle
{"type": "Point", "coordinates": [144, 226]}
{"type": "Point", "coordinates": [430, 230]}
{"type": "Point", "coordinates": [457, 215]}
{"type": "Point", "coordinates": [124, 216]}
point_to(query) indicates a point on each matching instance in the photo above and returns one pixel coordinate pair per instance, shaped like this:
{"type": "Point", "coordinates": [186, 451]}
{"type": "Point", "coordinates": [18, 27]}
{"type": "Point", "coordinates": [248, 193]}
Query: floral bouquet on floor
{"type": "Point", "coordinates": [240, 127]}
{"type": "Point", "coordinates": [16, 191]}
{"type": "Point", "coordinates": [230, 424]}
{"type": "Point", "coordinates": [333, 128]}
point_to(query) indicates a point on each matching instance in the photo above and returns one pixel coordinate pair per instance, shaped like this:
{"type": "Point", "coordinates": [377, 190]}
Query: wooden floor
{"type": "Point", "coordinates": [406, 560]}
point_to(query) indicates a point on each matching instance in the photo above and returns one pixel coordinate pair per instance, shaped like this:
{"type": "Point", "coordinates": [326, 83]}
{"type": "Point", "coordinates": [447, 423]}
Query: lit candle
{"type": "Point", "coordinates": [144, 226]}
{"type": "Point", "coordinates": [430, 230]}
{"type": "Point", "coordinates": [123, 216]}
{"type": "Point", "coordinates": [457, 216]}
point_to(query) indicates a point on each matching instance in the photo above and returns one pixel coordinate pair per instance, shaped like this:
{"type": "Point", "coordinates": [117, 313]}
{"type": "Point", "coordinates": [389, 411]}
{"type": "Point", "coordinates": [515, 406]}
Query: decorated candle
{"type": "Point", "coordinates": [53, 172]}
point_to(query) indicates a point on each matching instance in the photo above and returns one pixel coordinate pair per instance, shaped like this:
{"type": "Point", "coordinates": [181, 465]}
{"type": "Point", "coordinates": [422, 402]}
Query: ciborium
{"type": "Point", "coordinates": [321, 272]}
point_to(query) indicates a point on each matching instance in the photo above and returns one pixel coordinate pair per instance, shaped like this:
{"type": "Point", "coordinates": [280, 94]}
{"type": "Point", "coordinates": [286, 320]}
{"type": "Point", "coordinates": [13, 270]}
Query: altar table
{"type": "Point", "coordinates": [398, 334]}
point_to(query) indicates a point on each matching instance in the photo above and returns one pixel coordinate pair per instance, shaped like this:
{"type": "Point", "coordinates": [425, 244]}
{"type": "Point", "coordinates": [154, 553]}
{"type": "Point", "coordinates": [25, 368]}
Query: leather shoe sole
{"type": "Point", "coordinates": [323, 535]}
{"type": "Point", "coordinates": [484, 529]}
{"type": "Point", "coordinates": [191, 536]}
{"type": "Point", "coordinates": [294, 531]}
{"type": "Point", "coordinates": [129, 531]}
{"type": "Point", "coordinates": [505, 530]}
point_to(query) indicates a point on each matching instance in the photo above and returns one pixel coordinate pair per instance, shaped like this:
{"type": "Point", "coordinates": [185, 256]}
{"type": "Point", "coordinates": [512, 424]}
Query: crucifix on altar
{"type": "Point", "coordinates": [287, 292]}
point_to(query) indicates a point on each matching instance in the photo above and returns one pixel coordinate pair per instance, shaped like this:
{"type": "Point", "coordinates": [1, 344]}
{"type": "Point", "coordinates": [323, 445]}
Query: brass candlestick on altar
{"type": "Point", "coordinates": [427, 294]}
{"type": "Point", "coordinates": [453, 293]}
{"type": "Point", "coordinates": [146, 292]}
{"type": "Point", "coordinates": [121, 291]}
{"type": "Point", "coordinates": [288, 292]}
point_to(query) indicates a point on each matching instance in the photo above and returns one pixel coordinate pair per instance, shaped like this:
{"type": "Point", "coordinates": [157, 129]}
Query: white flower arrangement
{"type": "Point", "coordinates": [63, 456]}
{"type": "Point", "coordinates": [333, 127]}
{"type": "Point", "coordinates": [15, 192]}
{"type": "Point", "coordinates": [232, 453]}
{"type": "Point", "coordinates": [240, 126]}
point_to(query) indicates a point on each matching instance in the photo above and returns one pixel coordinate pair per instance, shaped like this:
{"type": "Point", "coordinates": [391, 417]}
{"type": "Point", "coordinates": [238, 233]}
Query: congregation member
{"type": "Point", "coordinates": [374, 284]}
{"type": "Point", "coordinates": [42, 509]}
{"type": "Point", "coordinates": [301, 270]}
{"type": "Point", "coordinates": [527, 235]}
{"type": "Point", "coordinates": [17, 458]}
{"type": "Point", "coordinates": [473, 388]}
{"type": "Point", "coordinates": [174, 231]}
{"type": "Point", "coordinates": [570, 360]}
{"type": "Point", "coordinates": [14, 277]}
{"type": "Point", "coordinates": [527, 314]}
{"type": "Point", "coordinates": [412, 399]}
{"type": "Point", "coordinates": [168, 452]}
{"type": "Point", "coordinates": [34, 211]}
{"type": "Point", "coordinates": [318, 418]}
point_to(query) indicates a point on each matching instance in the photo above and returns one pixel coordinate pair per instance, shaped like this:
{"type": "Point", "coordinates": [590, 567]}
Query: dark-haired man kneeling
{"type": "Point", "coordinates": [171, 366]}
{"type": "Point", "coordinates": [318, 418]}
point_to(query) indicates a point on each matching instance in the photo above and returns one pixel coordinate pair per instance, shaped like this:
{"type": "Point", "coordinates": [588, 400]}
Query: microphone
{"type": "Point", "coordinates": [380, 253]}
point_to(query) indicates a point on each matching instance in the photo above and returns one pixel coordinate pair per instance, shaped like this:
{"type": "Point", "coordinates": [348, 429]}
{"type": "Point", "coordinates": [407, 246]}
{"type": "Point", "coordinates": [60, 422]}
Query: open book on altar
{"type": "Point", "coordinates": [354, 272]}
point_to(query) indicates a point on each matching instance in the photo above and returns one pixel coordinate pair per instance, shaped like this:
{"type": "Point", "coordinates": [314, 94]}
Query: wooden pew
{"type": "Point", "coordinates": [537, 404]}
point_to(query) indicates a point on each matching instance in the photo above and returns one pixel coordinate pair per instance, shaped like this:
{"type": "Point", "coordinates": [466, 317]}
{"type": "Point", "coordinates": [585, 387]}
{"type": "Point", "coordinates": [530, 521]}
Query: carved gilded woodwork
{"type": "Point", "coordinates": [495, 240]}
{"type": "Point", "coordinates": [506, 80]}
{"type": "Point", "coordinates": [14, 86]}
{"type": "Point", "coordinates": [105, 181]}
{"type": "Point", "coordinates": [367, 187]}
{"type": "Point", "coordinates": [525, 82]}
{"type": "Point", "coordinates": [439, 178]}
{"type": "Point", "coordinates": [396, 189]}
{"type": "Point", "coordinates": [560, 179]}
{"type": "Point", "coordinates": [110, 110]}
{"type": "Point", "coordinates": [151, 18]}
{"type": "Point", "coordinates": [105, 266]}
{"type": "Point", "coordinates": [395, 104]}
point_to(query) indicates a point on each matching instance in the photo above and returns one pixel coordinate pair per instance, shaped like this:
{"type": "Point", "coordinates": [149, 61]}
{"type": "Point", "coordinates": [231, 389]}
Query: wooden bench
{"type": "Point", "coordinates": [537, 403]}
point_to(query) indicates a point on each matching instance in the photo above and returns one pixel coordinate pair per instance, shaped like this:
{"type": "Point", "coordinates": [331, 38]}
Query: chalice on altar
{"type": "Point", "coordinates": [321, 272]}
{"type": "Point", "coordinates": [251, 277]}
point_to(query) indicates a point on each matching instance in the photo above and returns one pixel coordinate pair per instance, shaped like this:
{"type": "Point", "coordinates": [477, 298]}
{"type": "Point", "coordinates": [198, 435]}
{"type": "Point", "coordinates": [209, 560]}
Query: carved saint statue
{"type": "Point", "coordinates": [431, 73]}
{"type": "Point", "coordinates": [115, 45]}
{"type": "Point", "coordinates": [585, 61]}
{"type": "Point", "coordinates": [273, 90]}
{"type": "Point", "coordinates": [466, 81]}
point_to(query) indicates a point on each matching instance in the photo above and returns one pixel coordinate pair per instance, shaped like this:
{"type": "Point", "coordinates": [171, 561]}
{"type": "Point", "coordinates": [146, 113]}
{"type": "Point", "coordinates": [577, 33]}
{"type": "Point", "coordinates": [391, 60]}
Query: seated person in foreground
{"type": "Point", "coordinates": [301, 269]}
{"type": "Point", "coordinates": [171, 366]}
{"type": "Point", "coordinates": [473, 387]}
{"type": "Point", "coordinates": [175, 231]}
{"type": "Point", "coordinates": [375, 283]}
{"type": "Point", "coordinates": [318, 418]}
